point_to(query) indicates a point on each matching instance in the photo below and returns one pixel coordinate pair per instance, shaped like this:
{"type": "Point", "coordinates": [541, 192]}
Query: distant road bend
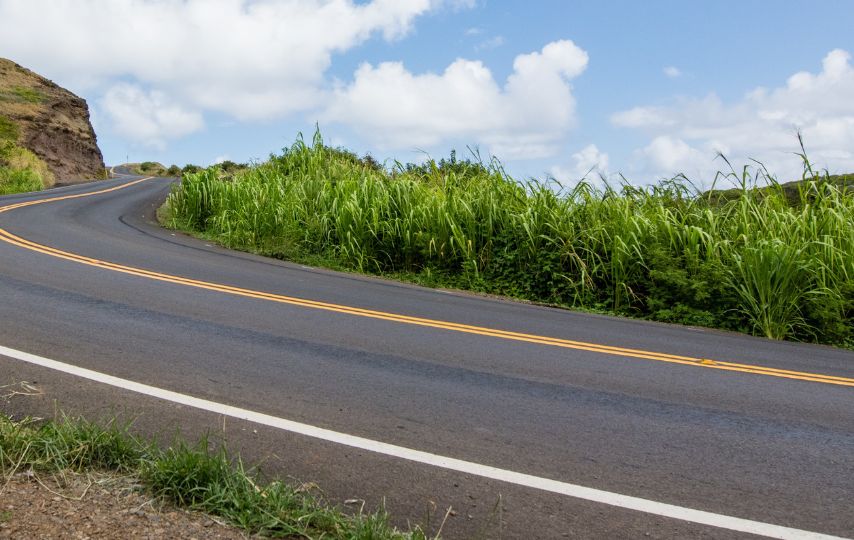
{"type": "Point", "coordinates": [529, 422]}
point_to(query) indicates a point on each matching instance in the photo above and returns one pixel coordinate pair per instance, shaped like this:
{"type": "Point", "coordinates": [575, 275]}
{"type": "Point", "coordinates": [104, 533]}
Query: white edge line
{"type": "Point", "coordinates": [467, 467]}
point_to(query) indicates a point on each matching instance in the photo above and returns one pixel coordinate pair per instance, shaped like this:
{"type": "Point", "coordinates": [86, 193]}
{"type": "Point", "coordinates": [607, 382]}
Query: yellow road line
{"type": "Point", "coordinates": [10, 238]}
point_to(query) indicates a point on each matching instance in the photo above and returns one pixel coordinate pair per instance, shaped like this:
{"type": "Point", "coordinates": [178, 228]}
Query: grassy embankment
{"type": "Point", "coordinates": [193, 477]}
{"type": "Point", "coordinates": [773, 261]}
{"type": "Point", "coordinates": [20, 169]}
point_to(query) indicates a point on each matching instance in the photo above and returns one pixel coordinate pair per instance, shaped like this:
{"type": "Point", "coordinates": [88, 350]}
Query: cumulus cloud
{"type": "Point", "coordinates": [590, 158]}
{"type": "Point", "coordinates": [148, 117]}
{"type": "Point", "coordinates": [526, 117]}
{"type": "Point", "coordinates": [666, 153]}
{"type": "Point", "coordinates": [762, 125]}
{"type": "Point", "coordinates": [251, 59]}
{"type": "Point", "coordinates": [156, 67]}
{"type": "Point", "coordinates": [589, 162]}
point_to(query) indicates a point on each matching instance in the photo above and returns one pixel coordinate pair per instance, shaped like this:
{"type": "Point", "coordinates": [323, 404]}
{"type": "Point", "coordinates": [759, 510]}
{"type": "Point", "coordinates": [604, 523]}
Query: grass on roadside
{"type": "Point", "coordinates": [20, 169]}
{"type": "Point", "coordinates": [763, 259]}
{"type": "Point", "coordinates": [195, 477]}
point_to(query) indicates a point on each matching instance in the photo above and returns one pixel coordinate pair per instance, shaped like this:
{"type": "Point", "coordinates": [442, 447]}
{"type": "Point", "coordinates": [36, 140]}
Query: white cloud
{"type": "Point", "coordinates": [148, 117]}
{"type": "Point", "coordinates": [525, 118]}
{"type": "Point", "coordinates": [672, 71]}
{"type": "Point", "coordinates": [251, 59]}
{"type": "Point", "coordinates": [590, 158]}
{"type": "Point", "coordinates": [588, 163]}
{"type": "Point", "coordinates": [762, 125]}
{"type": "Point", "coordinates": [643, 117]}
{"type": "Point", "coordinates": [667, 153]}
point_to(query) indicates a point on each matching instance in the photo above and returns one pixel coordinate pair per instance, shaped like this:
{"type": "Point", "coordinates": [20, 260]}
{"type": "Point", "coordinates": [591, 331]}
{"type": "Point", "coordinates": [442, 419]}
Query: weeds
{"type": "Point", "coordinates": [757, 259]}
{"type": "Point", "coordinates": [20, 169]}
{"type": "Point", "coordinates": [195, 477]}
{"type": "Point", "coordinates": [20, 181]}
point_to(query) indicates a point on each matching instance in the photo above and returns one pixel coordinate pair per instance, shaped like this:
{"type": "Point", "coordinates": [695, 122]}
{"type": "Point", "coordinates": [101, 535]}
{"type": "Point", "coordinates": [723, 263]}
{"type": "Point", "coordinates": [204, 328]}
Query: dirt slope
{"type": "Point", "coordinates": [51, 122]}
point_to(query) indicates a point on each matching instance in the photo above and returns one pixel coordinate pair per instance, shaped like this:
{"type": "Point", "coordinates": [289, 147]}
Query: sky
{"type": "Point", "coordinates": [554, 89]}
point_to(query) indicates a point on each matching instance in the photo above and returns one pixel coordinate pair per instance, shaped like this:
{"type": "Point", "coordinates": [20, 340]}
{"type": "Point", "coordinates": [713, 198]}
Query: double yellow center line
{"type": "Point", "coordinates": [10, 238]}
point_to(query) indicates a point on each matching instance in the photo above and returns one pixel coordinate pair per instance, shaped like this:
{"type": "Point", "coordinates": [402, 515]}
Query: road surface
{"type": "Point", "coordinates": [529, 422]}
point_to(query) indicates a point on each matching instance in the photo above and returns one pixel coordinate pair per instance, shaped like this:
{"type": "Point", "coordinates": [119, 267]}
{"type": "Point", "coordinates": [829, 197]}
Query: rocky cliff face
{"type": "Point", "coordinates": [51, 122]}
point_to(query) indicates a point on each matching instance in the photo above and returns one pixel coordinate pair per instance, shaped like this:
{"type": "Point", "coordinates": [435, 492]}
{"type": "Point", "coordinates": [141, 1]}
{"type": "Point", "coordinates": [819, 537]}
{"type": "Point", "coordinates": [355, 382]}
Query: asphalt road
{"type": "Point", "coordinates": [745, 441]}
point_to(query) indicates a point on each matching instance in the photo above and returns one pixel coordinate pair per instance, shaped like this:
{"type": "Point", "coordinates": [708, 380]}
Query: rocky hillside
{"type": "Point", "coordinates": [49, 121]}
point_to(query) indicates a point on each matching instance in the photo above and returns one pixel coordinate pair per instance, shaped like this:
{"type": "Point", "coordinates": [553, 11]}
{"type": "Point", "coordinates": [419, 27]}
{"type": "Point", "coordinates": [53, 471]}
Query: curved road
{"type": "Point", "coordinates": [528, 422]}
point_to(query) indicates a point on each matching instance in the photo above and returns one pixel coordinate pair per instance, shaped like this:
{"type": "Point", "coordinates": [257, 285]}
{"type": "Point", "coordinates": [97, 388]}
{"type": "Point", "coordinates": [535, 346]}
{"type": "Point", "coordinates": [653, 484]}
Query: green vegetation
{"type": "Point", "coordinates": [152, 168]}
{"type": "Point", "coordinates": [8, 130]}
{"type": "Point", "coordinates": [230, 167]}
{"type": "Point", "coordinates": [196, 477]}
{"type": "Point", "coordinates": [791, 190]}
{"type": "Point", "coordinates": [21, 94]}
{"type": "Point", "coordinates": [190, 168]}
{"type": "Point", "coordinates": [18, 181]}
{"type": "Point", "coordinates": [752, 262]}
{"type": "Point", "coordinates": [149, 168]}
{"type": "Point", "coordinates": [20, 169]}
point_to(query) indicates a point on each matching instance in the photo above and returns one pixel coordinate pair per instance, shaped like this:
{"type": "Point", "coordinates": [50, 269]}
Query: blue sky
{"type": "Point", "coordinates": [647, 89]}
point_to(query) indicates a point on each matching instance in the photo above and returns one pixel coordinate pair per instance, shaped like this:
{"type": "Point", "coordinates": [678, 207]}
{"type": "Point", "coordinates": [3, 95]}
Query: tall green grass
{"type": "Point", "coordinates": [18, 181]}
{"type": "Point", "coordinates": [20, 169]}
{"type": "Point", "coordinates": [753, 261]}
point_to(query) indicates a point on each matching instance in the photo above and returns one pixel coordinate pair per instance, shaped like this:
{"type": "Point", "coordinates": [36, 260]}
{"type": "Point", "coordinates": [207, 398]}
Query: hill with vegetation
{"type": "Point", "coordinates": [791, 191]}
{"type": "Point", "coordinates": [45, 133]}
{"type": "Point", "coordinates": [153, 168]}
